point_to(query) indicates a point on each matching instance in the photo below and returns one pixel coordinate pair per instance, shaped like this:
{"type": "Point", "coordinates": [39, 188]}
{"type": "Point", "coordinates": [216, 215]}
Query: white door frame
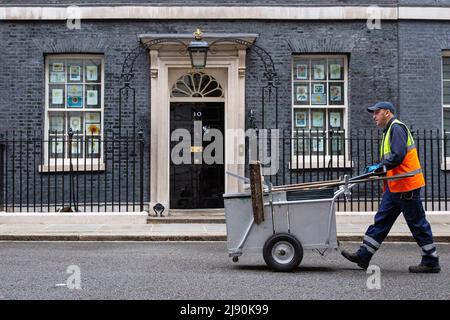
{"type": "Point", "coordinates": [161, 64]}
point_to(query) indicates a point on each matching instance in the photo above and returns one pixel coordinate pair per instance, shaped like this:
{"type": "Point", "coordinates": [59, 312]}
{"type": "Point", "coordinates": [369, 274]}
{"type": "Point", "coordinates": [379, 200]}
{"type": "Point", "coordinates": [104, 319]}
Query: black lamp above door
{"type": "Point", "coordinates": [198, 51]}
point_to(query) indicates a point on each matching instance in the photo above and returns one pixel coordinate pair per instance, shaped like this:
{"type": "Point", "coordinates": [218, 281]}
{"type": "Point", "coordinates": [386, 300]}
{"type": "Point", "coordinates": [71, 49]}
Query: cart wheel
{"type": "Point", "coordinates": [235, 259]}
{"type": "Point", "coordinates": [282, 252]}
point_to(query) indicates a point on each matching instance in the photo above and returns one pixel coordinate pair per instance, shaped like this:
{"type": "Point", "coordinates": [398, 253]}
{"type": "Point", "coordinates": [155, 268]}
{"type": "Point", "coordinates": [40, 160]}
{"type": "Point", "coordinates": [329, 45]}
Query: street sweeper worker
{"type": "Point", "coordinates": [398, 154]}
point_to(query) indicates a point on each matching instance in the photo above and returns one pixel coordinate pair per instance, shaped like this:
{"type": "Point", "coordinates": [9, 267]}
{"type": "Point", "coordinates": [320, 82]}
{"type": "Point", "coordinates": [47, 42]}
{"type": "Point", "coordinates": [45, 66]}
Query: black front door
{"type": "Point", "coordinates": [196, 184]}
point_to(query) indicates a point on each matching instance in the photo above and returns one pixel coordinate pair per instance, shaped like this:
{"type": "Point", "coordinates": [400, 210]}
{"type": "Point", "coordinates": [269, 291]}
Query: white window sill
{"type": "Point", "coordinates": [445, 166]}
{"type": "Point", "coordinates": [49, 168]}
{"type": "Point", "coordinates": [321, 163]}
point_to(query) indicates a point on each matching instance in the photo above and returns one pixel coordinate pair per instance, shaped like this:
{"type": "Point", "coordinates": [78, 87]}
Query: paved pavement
{"type": "Point", "coordinates": [179, 232]}
{"type": "Point", "coordinates": [203, 270]}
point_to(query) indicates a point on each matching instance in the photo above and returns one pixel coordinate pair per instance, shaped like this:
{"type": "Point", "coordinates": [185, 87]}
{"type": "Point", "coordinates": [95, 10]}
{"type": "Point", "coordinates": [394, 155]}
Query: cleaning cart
{"type": "Point", "coordinates": [283, 221]}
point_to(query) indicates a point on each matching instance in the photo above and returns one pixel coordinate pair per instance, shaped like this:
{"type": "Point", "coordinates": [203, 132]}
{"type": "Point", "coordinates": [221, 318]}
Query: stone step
{"type": "Point", "coordinates": [190, 216]}
{"type": "Point", "coordinates": [151, 220]}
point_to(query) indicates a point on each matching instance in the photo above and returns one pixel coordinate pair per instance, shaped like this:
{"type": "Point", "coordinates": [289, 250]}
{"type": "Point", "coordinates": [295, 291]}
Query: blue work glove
{"type": "Point", "coordinates": [373, 167]}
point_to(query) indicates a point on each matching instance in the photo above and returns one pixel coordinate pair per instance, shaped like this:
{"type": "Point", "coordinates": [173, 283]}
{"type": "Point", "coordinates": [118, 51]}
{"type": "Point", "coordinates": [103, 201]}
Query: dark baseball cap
{"type": "Point", "coordinates": [381, 105]}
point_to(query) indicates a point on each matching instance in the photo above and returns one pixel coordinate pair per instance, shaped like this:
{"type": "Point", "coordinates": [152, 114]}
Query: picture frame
{"type": "Point", "coordinates": [75, 123]}
{"type": "Point", "coordinates": [335, 93]}
{"type": "Point", "coordinates": [75, 73]}
{"type": "Point", "coordinates": [300, 119]}
{"type": "Point", "coordinates": [76, 147]}
{"type": "Point", "coordinates": [335, 71]}
{"type": "Point", "coordinates": [57, 77]}
{"type": "Point", "coordinates": [299, 146]}
{"type": "Point", "coordinates": [91, 73]}
{"type": "Point", "coordinates": [93, 129]}
{"type": "Point", "coordinates": [92, 117]}
{"type": "Point", "coordinates": [93, 147]}
{"type": "Point", "coordinates": [336, 145]}
{"type": "Point", "coordinates": [318, 88]}
{"type": "Point", "coordinates": [318, 98]}
{"type": "Point", "coordinates": [302, 71]}
{"type": "Point", "coordinates": [319, 72]}
{"type": "Point", "coordinates": [92, 97]}
{"type": "Point", "coordinates": [317, 119]}
{"type": "Point", "coordinates": [335, 119]}
{"type": "Point", "coordinates": [57, 145]}
{"type": "Point", "coordinates": [302, 93]}
{"type": "Point", "coordinates": [57, 96]}
{"type": "Point", "coordinates": [317, 144]}
{"type": "Point", "coordinates": [56, 124]}
{"type": "Point", "coordinates": [57, 67]}
{"type": "Point", "coordinates": [74, 96]}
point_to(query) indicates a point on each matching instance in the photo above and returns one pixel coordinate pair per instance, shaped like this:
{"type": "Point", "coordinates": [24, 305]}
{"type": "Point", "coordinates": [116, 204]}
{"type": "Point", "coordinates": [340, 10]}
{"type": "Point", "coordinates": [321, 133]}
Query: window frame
{"type": "Point", "coordinates": [445, 161]}
{"type": "Point", "coordinates": [310, 160]}
{"type": "Point", "coordinates": [63, 163]}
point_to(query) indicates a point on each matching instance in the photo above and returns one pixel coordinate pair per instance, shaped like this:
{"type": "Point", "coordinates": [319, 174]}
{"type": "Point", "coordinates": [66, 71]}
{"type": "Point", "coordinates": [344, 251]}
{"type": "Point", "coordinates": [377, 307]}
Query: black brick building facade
{"type": "Point", "coordinates": [400, 62]}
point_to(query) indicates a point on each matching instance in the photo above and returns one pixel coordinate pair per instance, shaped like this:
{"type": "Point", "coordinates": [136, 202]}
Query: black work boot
{"type": "Point", "coordinates": [353, 257]}
{"type": "Point", "coordinates": [422, 268]}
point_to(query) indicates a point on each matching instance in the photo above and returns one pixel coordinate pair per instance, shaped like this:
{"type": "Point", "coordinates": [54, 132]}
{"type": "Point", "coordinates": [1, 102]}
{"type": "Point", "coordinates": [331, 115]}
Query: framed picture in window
{"type": "Point", "coordinates": [92, 97]}
{"type": "Point", "coordinates": [56, 124]}
{"type": "Point", "coordinates": [300, 119]}
{"type": "Point", "coordinates": [302, 71]}
{"type": "Point", "coordinates": [317, 144]}
{"type": "Point", "coordinates": [91, 73]}
{"type": "Point", "coordinates": [317, 119]}
{"type": "Point", "coordinates": [57, 96]}
{"type": "Point", "coordinates": [318, 88]}
{"type": "Point", "coordinates": [335, 119]}
{"type": "Point", "coordinates": [57, 67]}
{"type": "Point", "coordinates": [336, 144]}
{"type": "Point", "coordinates": [75, 73]}
{"type": "Point", "coordinates": [302, 93]}
{"type": "Point", "coordinates": [93, 147]}
{"type": "Point", "coordinates": [57, 77]}
{"type": "Point", "coordinates": [318, 98]}
{"type": "Point", "coordinates": [75, 123]}
{"type": "Point", "coordinates": [319, 72]}
{"type": "Point", "coordinates": [93, 128]}
{"type": "Point", "coordinates": [74, 96]}
{"type": "Point", "coordinates": [335, 93]}
{"type": "Point", "coordinates": [93, 117]}
{"type": "Point", "coordinates": [57, 146]}
{"type": "Point", "coordinates": [301, 146]}
{"type": "Point", "coordinates": [335, 71]}
{"type": "Point", "coordinates": [76, 147]}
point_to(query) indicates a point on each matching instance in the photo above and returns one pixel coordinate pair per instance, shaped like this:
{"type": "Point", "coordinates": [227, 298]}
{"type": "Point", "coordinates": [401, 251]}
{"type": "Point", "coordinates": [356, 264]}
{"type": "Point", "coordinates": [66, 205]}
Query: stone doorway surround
{"type": "Point", "coordinates": [227, 62]}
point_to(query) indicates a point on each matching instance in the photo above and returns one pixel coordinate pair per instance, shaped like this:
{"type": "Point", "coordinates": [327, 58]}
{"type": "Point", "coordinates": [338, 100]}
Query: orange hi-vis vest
{"type": "Point", "coordinates": [410, 163]}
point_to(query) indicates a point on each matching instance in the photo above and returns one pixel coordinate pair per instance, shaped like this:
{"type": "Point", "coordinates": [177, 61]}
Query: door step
{"type": "Point", "coordinates": [190, 216]}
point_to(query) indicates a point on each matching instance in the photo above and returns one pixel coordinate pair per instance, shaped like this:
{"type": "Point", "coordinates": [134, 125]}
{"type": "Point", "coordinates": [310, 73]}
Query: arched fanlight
{"type": "Point", "coordinates": [197, 85]}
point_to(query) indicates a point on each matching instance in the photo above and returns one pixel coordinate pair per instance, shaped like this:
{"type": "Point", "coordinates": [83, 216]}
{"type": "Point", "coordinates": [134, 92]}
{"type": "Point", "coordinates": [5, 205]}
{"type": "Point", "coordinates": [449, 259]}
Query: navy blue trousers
{"type": "Point", "coordinates": [392, 204]}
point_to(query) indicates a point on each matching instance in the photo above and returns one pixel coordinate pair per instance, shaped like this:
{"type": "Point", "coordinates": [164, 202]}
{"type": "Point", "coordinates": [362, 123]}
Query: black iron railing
{"type": "Point", "coordinates": [106, 174]}
{"type": "Point", "coordinates": [71, 173]}
{"type": "Point", "coordinates": [314, 155]}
